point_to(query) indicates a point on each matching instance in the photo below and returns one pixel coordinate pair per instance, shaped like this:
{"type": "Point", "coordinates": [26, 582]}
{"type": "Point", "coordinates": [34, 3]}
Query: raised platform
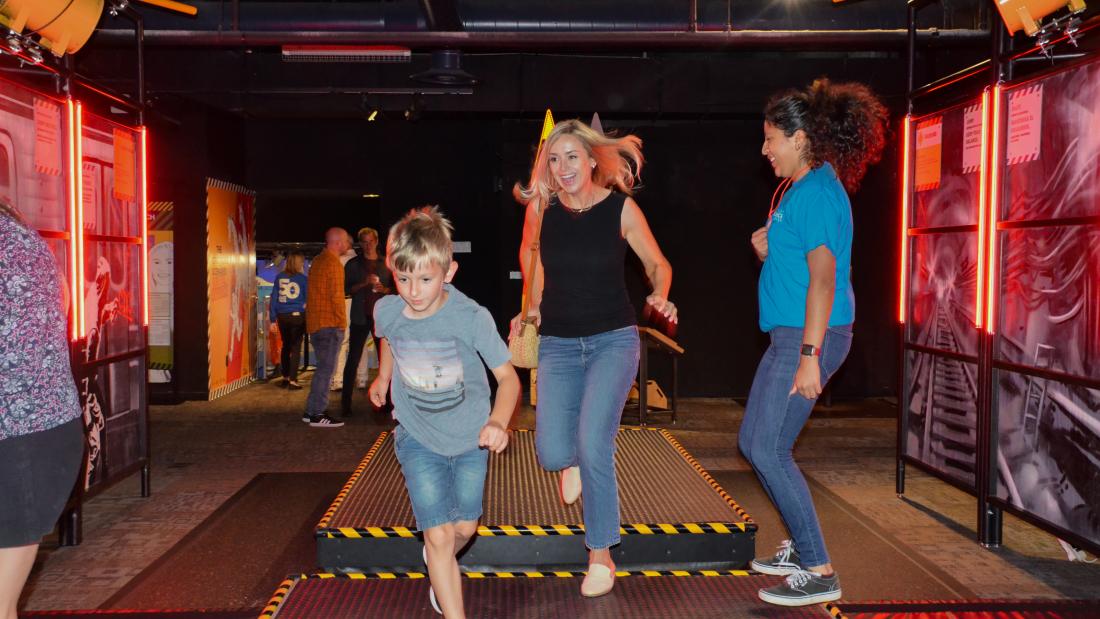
{"type": "Point", "coordinates": [639, 595]}
{"type": "Point", "coordinates": [675, 516]}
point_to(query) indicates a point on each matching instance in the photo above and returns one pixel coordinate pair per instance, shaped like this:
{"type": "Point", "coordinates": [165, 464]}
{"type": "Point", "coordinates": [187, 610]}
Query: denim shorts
{"type": "Point", "coordinates": [442, 489]}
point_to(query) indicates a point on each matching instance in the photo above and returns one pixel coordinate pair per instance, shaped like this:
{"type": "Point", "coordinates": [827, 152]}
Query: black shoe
{"type": "Point", "coordinates": [293, 386]}
{"type": "Point", "coordinates": [785, 562]}
{"type": "Point", "coordinates": [324, 421]}
{"type": "Point", "coordinates": [803, 588]}
{"type": "Point", "coordinates": [306, 418]}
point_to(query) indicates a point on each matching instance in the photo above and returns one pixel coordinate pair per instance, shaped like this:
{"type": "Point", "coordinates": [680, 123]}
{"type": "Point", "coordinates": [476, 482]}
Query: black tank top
{"type": "Point", "coordinates": [584, 291]}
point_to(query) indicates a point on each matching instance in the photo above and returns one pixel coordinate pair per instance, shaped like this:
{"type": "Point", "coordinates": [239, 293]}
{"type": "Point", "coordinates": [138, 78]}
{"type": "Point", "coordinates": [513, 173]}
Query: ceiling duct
{"type": "Point", "coordinates": [446, 70]}
{"type": "Point", "coordinates": [347, 53]}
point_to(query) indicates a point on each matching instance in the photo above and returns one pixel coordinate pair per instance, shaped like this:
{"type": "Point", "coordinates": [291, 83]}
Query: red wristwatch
{"type": "Point", "coordinates": [809, 350]}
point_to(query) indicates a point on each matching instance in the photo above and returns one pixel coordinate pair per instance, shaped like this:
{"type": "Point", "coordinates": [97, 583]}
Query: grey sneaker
{"type": "Point", "coordinates": [803, 588]}
{"type": "Point", "coordinates": [785, 562]}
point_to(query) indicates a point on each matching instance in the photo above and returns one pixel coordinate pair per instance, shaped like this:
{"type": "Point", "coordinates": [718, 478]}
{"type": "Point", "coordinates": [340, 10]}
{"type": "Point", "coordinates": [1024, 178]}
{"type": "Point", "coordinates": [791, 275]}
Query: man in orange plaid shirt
{"type": "Point", "coordinates": [325, 323]}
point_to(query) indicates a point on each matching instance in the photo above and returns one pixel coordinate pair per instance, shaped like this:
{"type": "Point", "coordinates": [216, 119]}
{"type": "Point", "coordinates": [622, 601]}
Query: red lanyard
{"type": "Point", "coordinates": [780, 191]}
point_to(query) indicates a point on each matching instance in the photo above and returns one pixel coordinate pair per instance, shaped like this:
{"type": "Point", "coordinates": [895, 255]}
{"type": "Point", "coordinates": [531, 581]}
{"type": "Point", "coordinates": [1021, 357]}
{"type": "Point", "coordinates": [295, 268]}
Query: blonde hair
{"type": "Point", "coordinates": [366, 230]}
{"type": "Point", "coordinates": [295, 263]}
{"type": "Point", "coordinates": [422, 235]}
{"type": "Point", "coordinates": [618, 162]}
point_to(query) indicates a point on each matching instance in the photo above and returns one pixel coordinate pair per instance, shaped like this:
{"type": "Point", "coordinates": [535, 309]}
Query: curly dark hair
{"type": "Point", "coordinates": [845, 124]}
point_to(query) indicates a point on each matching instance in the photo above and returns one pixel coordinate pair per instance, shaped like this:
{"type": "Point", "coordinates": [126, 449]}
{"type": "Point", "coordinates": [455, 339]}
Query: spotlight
{"type": "Point", "coordinates": [15, 43]}
{"type": "Point", "coordinates": [1026, 14]}
{"type": "Point", "coordinates": [373, 114]}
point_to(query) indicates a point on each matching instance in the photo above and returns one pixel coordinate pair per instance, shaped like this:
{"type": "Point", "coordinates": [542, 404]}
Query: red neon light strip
{"type": "Point", "coordinates": [75, 282]}
{"type": "Point", "coordinates": [904, 262]}
{"type": "Point", "coordinates": [994, 208]}
{"type": "Point", "coordinates": [983, 205]}
{"type": "Point", "coordinates": [143, 207]}
{"type": "Point", "coordinates": [78, 186]}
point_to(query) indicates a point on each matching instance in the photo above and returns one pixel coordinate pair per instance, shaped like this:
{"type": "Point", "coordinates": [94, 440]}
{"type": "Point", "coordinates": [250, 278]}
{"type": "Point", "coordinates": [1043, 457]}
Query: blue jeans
{"type": "Point", "coordinates": [583, 384]}
{"type": "Point", "coordinates": [326, 343]}
{"type": "Point", "coordinates": [773, 419]}
{"type": "Point", "coordinates": [441, 489]}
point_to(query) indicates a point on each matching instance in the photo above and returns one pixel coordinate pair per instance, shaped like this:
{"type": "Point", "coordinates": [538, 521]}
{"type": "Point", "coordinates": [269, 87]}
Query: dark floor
{"type": "Point", "coordinates": [238, 484]}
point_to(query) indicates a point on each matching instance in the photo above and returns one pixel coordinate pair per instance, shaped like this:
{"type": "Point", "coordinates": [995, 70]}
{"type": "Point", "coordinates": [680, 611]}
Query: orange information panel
{"type": "Point", "coordinates": [125, 179]}
{"type": "Point", "coordinates": [929, 152]}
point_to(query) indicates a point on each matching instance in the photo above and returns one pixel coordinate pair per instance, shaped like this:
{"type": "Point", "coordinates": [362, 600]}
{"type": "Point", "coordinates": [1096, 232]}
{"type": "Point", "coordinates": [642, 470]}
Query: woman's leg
{"type": "Point", "coordinates": [561, 385]}
{"type": "Point", "coordinates": [756, 414]}
{"type": "Point", "coordinates": [611, 363]}
{"type": "Point", "coordinates": [284, 356]}
{"type": "Point", "coordinates": [15, 566]}
{"type": "Point", "coordinates": [781, 419]}
{"type": "Point", "coordinates": [296, 328]}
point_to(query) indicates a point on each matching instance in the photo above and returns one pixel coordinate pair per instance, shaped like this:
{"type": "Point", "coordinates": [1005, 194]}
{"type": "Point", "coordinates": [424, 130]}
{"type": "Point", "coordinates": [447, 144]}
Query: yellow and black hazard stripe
{"type": "Point", "coordinates": [710, 480]}
{"type": "Point", "coordinates": [531, 574]}
{"type": "Point", "coordinates": [323, 524]}
{"type": "Point", "coordinates": [538, 530]}
{"type": "Point", "coordinates": [834, 610]}
{"type": "Point", "coordinates": [277, 599]}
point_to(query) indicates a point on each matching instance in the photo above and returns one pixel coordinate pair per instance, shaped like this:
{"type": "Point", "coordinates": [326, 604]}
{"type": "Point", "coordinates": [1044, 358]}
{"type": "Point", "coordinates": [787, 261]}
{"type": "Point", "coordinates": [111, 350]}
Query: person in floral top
{"type": "Point", "coordinates": [41, 433]}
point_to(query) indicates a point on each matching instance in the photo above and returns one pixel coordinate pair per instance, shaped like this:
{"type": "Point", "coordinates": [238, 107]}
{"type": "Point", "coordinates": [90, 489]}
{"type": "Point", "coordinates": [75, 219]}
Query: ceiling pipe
{"type": "Point", "coordinates": [560, 41]}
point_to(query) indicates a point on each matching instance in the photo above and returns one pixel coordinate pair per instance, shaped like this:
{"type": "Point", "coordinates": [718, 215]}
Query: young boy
{"type": "Point", "coordinates": [430, 338]}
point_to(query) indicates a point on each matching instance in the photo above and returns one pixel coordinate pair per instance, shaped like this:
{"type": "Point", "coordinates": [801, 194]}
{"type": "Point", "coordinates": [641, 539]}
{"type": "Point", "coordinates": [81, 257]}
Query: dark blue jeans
{"type": "Point", "coordinates": [583, 384]}
{"type": "Point", "coordinates": [326, 343]}
{"type": "Point", "coordinates": [773, 419]}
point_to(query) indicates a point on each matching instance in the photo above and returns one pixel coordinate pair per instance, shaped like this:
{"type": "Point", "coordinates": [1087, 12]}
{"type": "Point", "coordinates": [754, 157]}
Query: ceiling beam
{"type": "Point", "coordinates": [560, 41]}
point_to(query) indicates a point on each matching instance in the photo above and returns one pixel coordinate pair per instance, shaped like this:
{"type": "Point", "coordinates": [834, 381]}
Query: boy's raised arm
{"type": "Point", "coordinates": [494, 436]}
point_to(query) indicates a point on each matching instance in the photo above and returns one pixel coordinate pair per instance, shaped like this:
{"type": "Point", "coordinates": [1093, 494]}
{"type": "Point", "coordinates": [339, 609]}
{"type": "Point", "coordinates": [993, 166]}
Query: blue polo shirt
{"type": "Point", "coordinates": [815, 211]}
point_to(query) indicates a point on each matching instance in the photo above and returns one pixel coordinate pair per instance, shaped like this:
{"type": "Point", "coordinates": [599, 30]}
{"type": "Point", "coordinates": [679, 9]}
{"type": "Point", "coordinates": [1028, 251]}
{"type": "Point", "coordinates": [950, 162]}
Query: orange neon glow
{"type": "Point", "coordinates": [76, 299]}
{"type": "Point", "coordinates": [904, 262]}
{"type": "Point", "coordinates": [994, 207]}
{"type": "Point", "coordinates": [78, 229]}
{"type": "Point", "coordinates": [983, 205]}
{"type": "Point", "coordinates": [143, 207]}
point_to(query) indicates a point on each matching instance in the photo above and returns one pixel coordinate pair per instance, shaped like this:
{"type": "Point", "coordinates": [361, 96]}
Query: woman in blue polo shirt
{"type": "Point", "coordinates": [819, 141]}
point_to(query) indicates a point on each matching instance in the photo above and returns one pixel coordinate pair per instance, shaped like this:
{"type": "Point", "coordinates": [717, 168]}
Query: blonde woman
{"type": "Point", "coordinates": [588, 356]}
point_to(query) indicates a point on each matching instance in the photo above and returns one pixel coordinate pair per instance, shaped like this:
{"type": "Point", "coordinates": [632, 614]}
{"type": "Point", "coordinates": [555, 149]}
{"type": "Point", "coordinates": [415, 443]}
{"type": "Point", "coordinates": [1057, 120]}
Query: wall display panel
{"type": "Point", "coordinates": [231, 285]}
{"type": "Point", "coordinates": [947, 159]}
{"type": "Point", "coordinates": [1050, 299]}
{"type": "Point", "coordinates": [941, 414]}
{"type": "Point", "coordinates": [1052, 147]}
{"type": "Point", "coordinates": [943, 291]}
{"type": "Point", "coordinates": [117, 433]}
{"type": "Point", "coordinates": [110, 173]}
{"type": "Point", "coordinates": [34, 130]}
{"type": "Point", "coordinates": [112, 376]}
{"type": "Point", "coordinates": [1048, 438]}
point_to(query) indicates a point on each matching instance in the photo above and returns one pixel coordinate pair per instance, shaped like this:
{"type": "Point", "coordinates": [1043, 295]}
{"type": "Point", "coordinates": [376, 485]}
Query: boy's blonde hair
{"type": "Point", "coordinates": [422, 235]}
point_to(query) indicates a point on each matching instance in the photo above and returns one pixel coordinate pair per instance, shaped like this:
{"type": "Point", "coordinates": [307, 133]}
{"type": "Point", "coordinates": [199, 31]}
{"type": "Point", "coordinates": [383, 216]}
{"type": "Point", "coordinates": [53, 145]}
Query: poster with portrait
{"type": "Point", "coordinates": [942, 384]}
{"type": "Point", "coordinates": [231, 285]}
{"type": "Point", "coordinates": [111, 376]}
{"type": "Point", "coordinates": [161, 262]}
{"type": "Point", "coordinates": [1047, 429]}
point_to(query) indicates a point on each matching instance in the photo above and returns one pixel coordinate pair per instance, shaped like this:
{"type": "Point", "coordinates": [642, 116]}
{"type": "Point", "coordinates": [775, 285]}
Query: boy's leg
{"type": "Point", "coordinates": [439, 542]}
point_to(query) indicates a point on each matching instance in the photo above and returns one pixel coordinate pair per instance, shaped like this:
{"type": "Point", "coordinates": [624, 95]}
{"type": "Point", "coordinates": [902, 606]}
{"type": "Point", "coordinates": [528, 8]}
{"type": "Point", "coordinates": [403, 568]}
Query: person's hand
{"type": "Point", "coordinates": [378, 390]}
{"type": "Point", "coordinates": [374, 283]}
{"type": "Point", "coordinates": [807, 379]}
{"type": "Point", "coordinates": [517, 321]}
{"type": "Point", "coordinates": [493, 437]}
{"type": "Point", "coordinates": [760, 243]}
{"type": "Point", "coordinates": [664, 307]}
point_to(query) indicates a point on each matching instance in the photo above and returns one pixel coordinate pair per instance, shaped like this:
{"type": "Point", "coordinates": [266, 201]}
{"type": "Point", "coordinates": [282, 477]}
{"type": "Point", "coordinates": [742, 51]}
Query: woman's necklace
{"type": "Point", "coordinates": [591, 202]}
